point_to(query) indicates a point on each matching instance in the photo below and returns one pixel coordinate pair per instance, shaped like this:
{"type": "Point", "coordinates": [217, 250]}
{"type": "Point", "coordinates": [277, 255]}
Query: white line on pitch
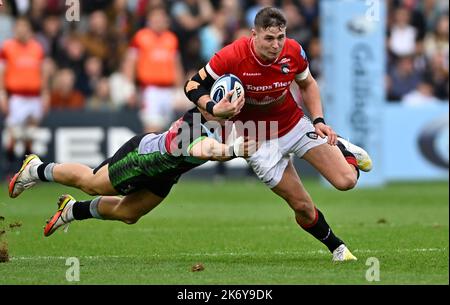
{"type": "Point", "coordinates": [226, 254]}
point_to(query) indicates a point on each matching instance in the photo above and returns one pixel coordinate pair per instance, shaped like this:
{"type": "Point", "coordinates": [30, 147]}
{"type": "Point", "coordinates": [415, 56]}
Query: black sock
{"type": "Point", "coordinates": [81, 210]}
{"type": "Point", "coordinates": [40, 171]}
{"type": "Point", "coordinates": [322, 231]}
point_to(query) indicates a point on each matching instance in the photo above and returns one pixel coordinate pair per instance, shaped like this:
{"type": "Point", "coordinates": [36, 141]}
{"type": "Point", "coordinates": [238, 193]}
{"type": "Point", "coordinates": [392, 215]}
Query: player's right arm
{"type": "Point", "coordinates": [210, 149]}
{"type": "Point", "coordinates": [197, 91]}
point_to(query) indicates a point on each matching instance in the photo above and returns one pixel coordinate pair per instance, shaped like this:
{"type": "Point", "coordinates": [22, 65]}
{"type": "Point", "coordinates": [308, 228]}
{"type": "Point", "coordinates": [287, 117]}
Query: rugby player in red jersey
{"type": "Point", "coordinates": [268, 63]}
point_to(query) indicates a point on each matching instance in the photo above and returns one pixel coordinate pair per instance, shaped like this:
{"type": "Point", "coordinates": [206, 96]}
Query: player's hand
{"type": "Point", "coordinates": [245, 147]}
{"type": "Point", "coordinates": [326, 131]}
{"type": "Point", "coordinates": [224, 109]}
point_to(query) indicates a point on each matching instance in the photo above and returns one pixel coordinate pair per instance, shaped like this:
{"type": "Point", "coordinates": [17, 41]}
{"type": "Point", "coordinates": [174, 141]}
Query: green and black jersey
{"type": "Point", "coordinates": [156, 161]}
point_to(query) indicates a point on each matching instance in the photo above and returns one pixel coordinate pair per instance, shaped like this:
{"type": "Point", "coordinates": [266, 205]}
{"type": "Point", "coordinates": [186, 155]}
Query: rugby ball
{"type": "Point", "coordinates": [225, 84]}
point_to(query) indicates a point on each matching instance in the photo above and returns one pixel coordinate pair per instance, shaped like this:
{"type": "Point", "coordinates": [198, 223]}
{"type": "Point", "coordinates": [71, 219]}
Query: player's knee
{"type": "Point", "coordinates": [346, 182]}
{"type": "Point", "coordinates": [131, 217]}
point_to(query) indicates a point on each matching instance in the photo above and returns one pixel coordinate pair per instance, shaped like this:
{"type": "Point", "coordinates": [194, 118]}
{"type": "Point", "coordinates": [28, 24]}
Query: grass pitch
{"type": "Point", "coordinates": [240, 232]}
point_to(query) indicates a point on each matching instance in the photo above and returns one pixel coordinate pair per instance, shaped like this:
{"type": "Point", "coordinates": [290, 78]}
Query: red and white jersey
{"type": "Point", "coordinates": [267, 85]}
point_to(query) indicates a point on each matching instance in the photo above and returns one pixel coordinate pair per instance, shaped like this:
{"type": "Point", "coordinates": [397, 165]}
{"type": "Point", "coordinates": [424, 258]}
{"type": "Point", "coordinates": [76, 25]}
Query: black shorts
{"type": "Point", "coordinates": [126, 175]}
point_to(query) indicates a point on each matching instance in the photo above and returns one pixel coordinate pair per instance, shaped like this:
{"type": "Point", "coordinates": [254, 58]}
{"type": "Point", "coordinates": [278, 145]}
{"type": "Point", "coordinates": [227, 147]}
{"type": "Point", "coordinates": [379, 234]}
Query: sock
{"type": "Point", "coordinates": [320, 229]}
{"type": "Point", "coordinates": [350, 157]}
{"type": "Point", "coordinates": [86, 209]}
{"type": "Point", "coordinates": [44, 172]}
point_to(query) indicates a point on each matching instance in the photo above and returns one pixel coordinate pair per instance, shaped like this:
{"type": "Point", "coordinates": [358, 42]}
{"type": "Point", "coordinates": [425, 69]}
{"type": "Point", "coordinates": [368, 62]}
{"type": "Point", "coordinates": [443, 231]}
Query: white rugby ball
{"type": "Point", "coordinates": [225, 84]}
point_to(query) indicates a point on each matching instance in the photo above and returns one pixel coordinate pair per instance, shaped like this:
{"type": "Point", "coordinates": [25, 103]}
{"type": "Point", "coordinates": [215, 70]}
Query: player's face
{"type": "Point", "coordinates": [269, 42]}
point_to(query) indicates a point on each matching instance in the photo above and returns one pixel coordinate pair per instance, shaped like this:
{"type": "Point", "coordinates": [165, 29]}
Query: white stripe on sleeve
{"type": "Point", "coordinates": [303, 75]}
{"type": "Point", "coordinates": [211, 72]}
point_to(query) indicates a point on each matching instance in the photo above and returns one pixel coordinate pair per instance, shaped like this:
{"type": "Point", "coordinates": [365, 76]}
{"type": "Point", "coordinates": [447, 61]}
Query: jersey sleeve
{"type": "Point", "coordinates": [303, 64]}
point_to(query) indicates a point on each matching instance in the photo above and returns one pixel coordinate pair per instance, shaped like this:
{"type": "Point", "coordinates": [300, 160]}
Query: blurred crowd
{"type": "Point", "coordinates": [95, 63]}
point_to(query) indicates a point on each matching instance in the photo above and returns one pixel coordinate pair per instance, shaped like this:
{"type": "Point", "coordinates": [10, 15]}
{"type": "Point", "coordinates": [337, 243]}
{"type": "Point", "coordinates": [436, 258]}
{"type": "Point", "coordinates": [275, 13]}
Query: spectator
{"type": "Point", "coordinates": [121, 21]}
{"type": "Point", "coordinates": [251, 12]}
{"type": "Point", "coordinates": [100, 100]}
{"type": "Point", "coordinates": [189, 17]}
{"type": "Point", "coordinates": [402, 78]}
{"type": "Point", "coordinates": [23, 86]}
{"type": "Point", "coordinates": [310, 11]}
{"type": "Point", "coordinates": [402, 37]}
{"type": "Point", "coordinates": [73, 57]}
{"type": "Point", "coordinates": [6, 23]}
{"type": "Point", "coordinates": [315, 58]}
{"type": "Point", "coordinates": [122, 88]}
{"type": "Point", "coordinates": [92, 73]}
{"type": "Point", "coordinates": [212, 36]}
{"type": "Point", "coordinates": [234, 17]}
{"type": "Point", "coordinates": [50, 36]}
{"type": "Point", "coordinates": [431, 9]}
{"type": "Point", "coordinates": [36, 14]}
{"type": "Point", "coordinates": [439, 76]}
{"type": "Point", "coordinates": [63, 94]}
{"type": "Point", "coordinates": [437, 41]}
{"type": "Point", "coordinates": [296, 26]}
{"type": "Point", "coordinates": [101, 42]}
{"type": "Point", "coordinates": [422, 95]}
{"type": "Point", "coordinates": [154, 52]}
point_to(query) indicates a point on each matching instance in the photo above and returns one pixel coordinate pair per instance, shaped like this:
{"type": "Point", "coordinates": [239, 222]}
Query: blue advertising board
{"type": "Point", "coordinates": [353, 39]}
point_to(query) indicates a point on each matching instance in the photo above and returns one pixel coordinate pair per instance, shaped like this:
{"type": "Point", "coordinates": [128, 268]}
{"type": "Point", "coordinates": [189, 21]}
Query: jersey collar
{"type": "Point", "coordinates": [258, 60]}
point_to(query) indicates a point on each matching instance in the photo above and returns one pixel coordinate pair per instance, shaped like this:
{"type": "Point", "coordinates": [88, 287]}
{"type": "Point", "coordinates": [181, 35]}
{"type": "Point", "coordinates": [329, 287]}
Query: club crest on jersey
{"type": "Point", "coordinates": [312, 135]}
{"type": "Point", "coordinates": [285, 69]}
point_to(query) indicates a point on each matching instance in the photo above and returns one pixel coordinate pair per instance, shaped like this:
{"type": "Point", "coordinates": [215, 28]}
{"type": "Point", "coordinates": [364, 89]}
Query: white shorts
{"type": "Point", "coordinates": [158, 108]}
{"type": "Point", "coordinates": [23, 108]}
{"type": "Point", "coordinates": [271, 159]}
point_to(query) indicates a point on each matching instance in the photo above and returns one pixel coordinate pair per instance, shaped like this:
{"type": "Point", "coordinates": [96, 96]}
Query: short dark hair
{"type": "Point", "coordinates": [270, 17]}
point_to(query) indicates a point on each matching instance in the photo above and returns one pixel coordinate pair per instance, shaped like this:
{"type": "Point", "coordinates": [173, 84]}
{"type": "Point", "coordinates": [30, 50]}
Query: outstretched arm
{"type": "Point", "coordinates": [210, 149]}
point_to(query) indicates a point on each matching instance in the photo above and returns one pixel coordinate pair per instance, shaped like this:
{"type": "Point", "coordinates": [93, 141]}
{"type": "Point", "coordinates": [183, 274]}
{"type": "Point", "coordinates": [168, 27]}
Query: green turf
{"type": "Point", "coordinates": [241, 232]}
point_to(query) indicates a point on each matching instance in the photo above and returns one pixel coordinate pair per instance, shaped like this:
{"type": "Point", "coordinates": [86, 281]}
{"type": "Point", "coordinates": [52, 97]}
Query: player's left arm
{"type": "Point", "coordinates": [210, 149]}
{"type": "Point", "coordinates": [311, 98]}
